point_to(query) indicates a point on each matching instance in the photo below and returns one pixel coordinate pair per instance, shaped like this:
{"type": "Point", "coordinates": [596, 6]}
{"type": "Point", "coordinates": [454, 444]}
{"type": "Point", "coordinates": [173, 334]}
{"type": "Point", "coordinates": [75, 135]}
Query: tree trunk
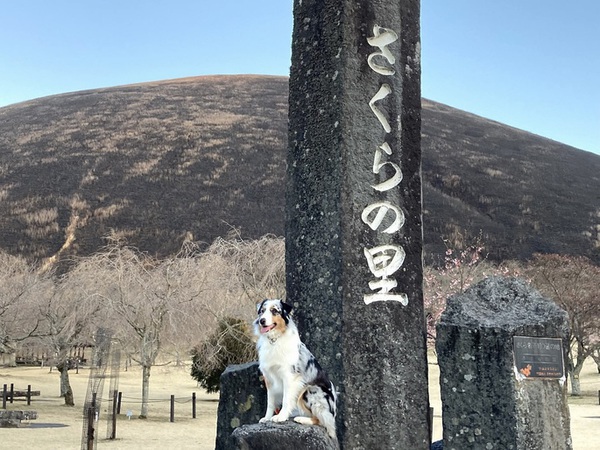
{"type": "Point", "coordinates": [145, 390]}
{"type": "Point", "coordinates": [575, 384]}
{"type": "Point", "coordinates": [65, 384]}
{"type": "Point", "coordinates": [574, 374]}
{"type": "Point", "coordinates": [596, 358]}
{"type": "Point", "coordinates": [575, 370]}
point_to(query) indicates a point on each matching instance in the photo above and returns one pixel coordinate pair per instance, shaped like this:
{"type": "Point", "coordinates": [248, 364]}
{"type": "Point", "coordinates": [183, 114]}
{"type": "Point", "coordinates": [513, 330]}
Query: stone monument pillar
{"type": "Point", "coordinates": [353, 217]}
{"type": "Point", "coordinates": [501, 349]}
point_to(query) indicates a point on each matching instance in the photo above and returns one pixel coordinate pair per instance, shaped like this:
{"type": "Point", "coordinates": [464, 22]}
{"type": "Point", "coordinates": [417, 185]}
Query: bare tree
{"type": "Point", "coordinates": [149, 304]}
{"type": "Point", "coordinates": [148, 299]}
{"type": "Point", "coordinates": [257, 265]}
{"type": "Point", "coordinates": [225, 281]}
{"type": "Point", "coordinates": [43, 311]}
{"type": "Point", "coordinates": [572, 282]}
{"type": "Point", "coordinates": [121, 276]}
{"type": "Point", "coordinates": [198, 289]}
{"type": "Point", "coordinates": [22, 288]}
{"type": "Point", "coordinates": [69, 313]}
{"type": "Point", "coordinates": [205, 290]}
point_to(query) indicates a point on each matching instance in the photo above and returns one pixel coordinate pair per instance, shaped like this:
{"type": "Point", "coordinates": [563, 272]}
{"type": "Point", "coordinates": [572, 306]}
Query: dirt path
{"type": "Point", "coordinates": [60, 427]}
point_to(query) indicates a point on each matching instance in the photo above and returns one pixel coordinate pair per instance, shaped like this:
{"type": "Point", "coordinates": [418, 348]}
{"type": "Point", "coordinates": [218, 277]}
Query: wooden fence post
{"type": "Point", "coordinates": [120, 397]}
{"type": "Point", "coordinates": [194, 404]}
{"type": "Point", "coordinates": [91, 416]}
{"type": "Point", "coordinates": [172, 417]}
{"type": "Point", "coordinates": [113, 433]}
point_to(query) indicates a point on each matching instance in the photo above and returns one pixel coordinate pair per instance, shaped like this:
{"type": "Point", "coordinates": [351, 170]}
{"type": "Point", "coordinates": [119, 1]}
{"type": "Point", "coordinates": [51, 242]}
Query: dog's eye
{"type": "Point", "coordinates": [275, 311]}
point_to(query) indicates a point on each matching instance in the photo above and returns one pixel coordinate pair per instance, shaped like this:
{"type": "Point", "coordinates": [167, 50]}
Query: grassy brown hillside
{"type": "Point", "coordinates": [526, 193]}
{"type": "Point", "coordinates": [157, 163]}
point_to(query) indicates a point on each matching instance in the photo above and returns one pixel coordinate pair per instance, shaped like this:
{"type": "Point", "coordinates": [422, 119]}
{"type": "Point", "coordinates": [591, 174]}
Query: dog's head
{"type": "Point", "coordinates": [273, 317]}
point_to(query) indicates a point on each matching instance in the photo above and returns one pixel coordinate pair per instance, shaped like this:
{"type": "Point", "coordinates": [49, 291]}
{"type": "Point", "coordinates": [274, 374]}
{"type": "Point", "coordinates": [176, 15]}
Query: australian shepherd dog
{"type": "Point", "coordinates": [296, 384]}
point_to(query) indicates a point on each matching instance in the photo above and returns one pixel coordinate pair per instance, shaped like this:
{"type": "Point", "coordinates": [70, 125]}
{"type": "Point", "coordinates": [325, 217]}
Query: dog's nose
{"type": "Point", "coordinates": [262, 322]}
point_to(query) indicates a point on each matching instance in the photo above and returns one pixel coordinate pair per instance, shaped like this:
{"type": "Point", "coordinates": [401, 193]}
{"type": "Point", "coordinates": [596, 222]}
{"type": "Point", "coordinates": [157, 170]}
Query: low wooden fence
{"type": "Point", "coordinates": [12, 393]}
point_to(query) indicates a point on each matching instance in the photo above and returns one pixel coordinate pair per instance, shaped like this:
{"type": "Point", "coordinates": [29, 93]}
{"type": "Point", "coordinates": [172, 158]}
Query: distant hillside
{"type": "Point", "coordinates": [525, 192]}
{"type": "Point", "coordinates": [157, 163]}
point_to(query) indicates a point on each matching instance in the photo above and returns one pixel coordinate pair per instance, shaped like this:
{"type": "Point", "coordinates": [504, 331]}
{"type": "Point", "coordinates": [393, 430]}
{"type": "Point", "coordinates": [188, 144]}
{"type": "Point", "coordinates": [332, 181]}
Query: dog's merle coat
{"type": "Point", "coordinates": [295, 381]}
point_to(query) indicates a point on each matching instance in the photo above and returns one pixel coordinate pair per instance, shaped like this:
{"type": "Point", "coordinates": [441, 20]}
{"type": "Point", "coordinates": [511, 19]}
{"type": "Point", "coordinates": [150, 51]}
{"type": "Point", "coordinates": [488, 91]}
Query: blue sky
{"type": "Point", "coordinates": [531, 64]}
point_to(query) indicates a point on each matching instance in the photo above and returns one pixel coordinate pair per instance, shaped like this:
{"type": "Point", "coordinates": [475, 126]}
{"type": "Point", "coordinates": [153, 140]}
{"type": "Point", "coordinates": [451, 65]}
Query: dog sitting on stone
{"type": "Point", "coordinates": [296, 383]}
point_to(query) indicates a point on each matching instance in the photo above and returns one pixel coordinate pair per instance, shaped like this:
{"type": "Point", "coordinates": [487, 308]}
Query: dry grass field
{"type": "Point", "coordinates": [60, 427]}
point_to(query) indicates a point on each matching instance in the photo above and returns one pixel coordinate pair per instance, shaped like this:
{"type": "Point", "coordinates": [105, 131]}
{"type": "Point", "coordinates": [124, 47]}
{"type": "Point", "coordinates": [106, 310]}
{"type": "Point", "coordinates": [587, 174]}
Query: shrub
{"type": "Point", "coordinates": [231, 343]}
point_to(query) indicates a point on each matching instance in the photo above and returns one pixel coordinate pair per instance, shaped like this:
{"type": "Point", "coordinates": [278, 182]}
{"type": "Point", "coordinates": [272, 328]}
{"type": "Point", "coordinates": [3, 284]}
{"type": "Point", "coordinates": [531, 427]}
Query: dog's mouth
{"type": "Point", "coordinates": [266, 329]}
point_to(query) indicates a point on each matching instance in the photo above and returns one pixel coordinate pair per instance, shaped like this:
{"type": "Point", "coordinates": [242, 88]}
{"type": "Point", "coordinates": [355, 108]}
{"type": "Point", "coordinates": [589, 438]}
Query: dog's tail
{"type": "Point", "coordinates": [318, 412]}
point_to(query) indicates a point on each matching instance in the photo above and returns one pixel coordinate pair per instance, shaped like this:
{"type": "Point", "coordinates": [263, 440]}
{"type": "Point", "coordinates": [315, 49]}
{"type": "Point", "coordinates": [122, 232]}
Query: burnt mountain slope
{"type": "Point", "coordinates": [158, 163]}
{"type": "Point", "coordinates": [526, 193]}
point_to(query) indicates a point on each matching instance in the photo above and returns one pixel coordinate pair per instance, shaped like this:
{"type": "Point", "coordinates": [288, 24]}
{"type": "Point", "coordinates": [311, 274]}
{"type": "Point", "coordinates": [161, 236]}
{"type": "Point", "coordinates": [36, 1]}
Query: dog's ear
{"type": "Point", "coordinates": [259, 305]}
{"type": "Point", "coordinates": [287, 308]}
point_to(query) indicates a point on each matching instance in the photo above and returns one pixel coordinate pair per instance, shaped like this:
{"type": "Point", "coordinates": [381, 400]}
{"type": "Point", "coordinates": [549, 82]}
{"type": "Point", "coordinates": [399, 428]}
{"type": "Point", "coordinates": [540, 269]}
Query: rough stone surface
{"type": "Point", "coordinates": [375, 353]}
{"type": "Point", "coordinates": [287, 435]}
{"type": "Point", "coordinates": [242, 400]}
{"type": "Point", "coordinates": [484, 404]}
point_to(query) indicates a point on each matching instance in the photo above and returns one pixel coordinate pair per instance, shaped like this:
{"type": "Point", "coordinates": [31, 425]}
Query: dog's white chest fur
{"type": "Point", "coordinates": [282, 352]}
{"type": "Point", "coordinates": [278, 359]}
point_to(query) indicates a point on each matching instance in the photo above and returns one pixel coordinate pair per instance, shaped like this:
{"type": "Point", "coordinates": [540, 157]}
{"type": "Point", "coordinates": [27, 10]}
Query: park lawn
{"type": "Point", "coordinates": [59, 426]}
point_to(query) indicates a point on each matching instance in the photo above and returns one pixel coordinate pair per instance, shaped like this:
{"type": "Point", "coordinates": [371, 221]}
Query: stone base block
{"type": "Point", "coordinates": [487, 403]}
{"type": "Point", "coordinates": [286, 435]}
{"type": "Point", "coordinates": [243, 400]}
{"type": "Point", "coordinates": [12, 419]}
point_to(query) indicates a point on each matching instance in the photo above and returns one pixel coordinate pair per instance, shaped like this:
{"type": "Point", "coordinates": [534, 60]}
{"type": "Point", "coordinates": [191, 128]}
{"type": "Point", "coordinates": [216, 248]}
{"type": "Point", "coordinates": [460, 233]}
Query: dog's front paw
{"type": "Point", "coordinates": [265, 419]}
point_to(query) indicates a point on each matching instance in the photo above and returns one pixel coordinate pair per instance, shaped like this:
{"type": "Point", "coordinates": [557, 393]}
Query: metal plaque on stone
{"type": "Point", "coordinates": [537, 357]}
